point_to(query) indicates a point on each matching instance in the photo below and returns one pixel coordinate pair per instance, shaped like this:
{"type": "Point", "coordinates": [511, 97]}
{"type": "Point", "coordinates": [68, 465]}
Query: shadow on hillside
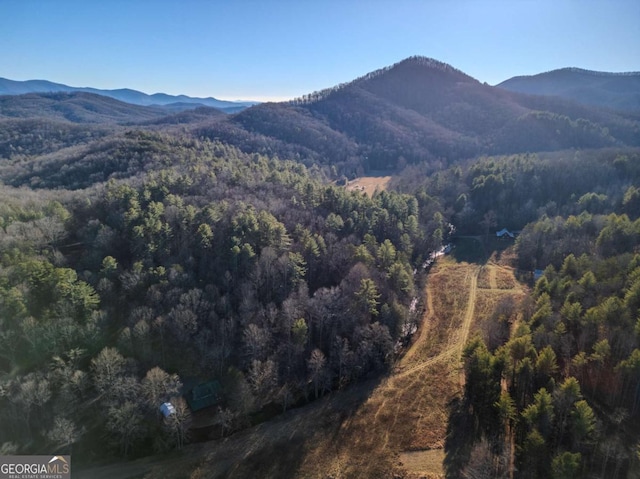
{"type": "Point", "coordinates": [277, 448]}
{"type": "Point", "coordinates": [478, 249]}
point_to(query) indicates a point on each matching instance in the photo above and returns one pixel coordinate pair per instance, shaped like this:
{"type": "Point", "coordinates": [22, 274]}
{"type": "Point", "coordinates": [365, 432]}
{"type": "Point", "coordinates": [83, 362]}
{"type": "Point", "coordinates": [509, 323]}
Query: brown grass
{"type": "Point", "coordinates": [424, 464]}
{"type": "Point", "coordinates": [505, 278]}
{"type": "Point", "coordinates": [483, 278]}
{"type": "Point", "coordinates": [407, 412]}
{"type": "Point", "coordinates": [369, 184]}
{"type": "Point", "coordinates": [494, 275]}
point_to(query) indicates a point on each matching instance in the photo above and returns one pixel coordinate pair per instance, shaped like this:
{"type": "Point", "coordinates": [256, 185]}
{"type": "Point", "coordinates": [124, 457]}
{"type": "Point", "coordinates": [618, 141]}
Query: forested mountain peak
{"type": "Point", "coordinates": [416, 110]}
{"type": "Point", "coordinates": [420, 65]}
{"type": "Point", "coordinates": [415, 71]}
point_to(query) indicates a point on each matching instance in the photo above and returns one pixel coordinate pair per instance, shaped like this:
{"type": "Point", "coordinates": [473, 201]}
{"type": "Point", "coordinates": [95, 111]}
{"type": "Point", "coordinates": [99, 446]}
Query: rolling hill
{"type": "Point", "coordinates": [618, 91]}
{"type": "Point", "coordinates": [37, 124]}
{"type": "Point", "coordinates": [85, 108]}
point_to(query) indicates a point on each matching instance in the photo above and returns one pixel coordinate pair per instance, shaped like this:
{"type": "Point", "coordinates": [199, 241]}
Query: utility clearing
{"type": "Point", "coordinates": [393, 425]}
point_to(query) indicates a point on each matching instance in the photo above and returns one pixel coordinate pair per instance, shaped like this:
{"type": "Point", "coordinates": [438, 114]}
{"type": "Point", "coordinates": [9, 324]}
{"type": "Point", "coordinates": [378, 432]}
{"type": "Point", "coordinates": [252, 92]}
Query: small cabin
{"type": "Point", "coordinates": [204, 395]}
{"type": "Point", "coordinates": [504, 233]}
{"type": "Point", "coordinates": [167, 409]}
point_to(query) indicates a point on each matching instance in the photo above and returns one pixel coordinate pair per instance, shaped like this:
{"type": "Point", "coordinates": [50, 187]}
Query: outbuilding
{"type": "Point", "coordinates": [504, 233]}
{"type": "Point", "coordinates": [167, 409]}
{"type": "Point", "coordinates": [204, 395]}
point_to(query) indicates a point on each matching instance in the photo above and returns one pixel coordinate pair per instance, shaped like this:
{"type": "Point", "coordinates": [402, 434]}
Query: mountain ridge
{"type": "Point", "coordinates": [128, 95]}
{"type": "Point", "coordinates": [418, 110]}
{"type": "Point", "coordinates": [613, 90]}
{"type": "Point", "coordinates": [585, 71]}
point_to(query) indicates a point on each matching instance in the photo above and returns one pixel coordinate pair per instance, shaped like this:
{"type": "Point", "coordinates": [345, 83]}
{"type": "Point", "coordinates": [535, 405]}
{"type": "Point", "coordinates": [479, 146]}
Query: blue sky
{"type": "Point", "coordinates": [279, 49]}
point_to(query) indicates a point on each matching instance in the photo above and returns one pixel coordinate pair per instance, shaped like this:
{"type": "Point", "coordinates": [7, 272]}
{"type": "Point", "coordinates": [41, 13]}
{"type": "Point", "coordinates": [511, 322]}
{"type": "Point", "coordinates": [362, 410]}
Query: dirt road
{"type": "Point", "coordinates": [456, 341]}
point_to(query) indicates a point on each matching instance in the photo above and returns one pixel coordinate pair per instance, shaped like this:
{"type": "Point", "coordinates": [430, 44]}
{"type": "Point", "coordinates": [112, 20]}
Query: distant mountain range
{"type": "Point", "coordinates": [419, 110]}
{"type": "Point", "coordinates": [618, 91]}
{"type": "Point", "coordinates": [179, 102]}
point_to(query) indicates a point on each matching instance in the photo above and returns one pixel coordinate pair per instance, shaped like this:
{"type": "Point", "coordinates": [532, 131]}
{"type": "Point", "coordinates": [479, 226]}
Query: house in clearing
{"type": "Point", "coordinates": [504, 233]}
{"type": "Point", "coordinates": [204, 395]}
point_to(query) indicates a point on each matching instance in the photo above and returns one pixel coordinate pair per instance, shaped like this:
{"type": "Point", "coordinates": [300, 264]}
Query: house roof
{"type": "Point", "coordinates": [167, 409]}
{"type": "Point", "coordinates": [204, 395]}
{"type": "Point", "coordinates": [503, 232]}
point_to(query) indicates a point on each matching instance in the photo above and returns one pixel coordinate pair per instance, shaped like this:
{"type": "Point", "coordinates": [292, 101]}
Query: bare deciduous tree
{"type": "Point", "coordinates": [178, 423]}
{"type": "Point", "coordinates": [125, 423]}
{"type": "Point", "coordinates": [263, 377]}
{"type": "Point", "coordinates": [318, 373]}
{"type": "Point", "coordinates": [63, 433]}
{"type": "Point", "coordinates": [106, 367]}
{"type": "Point", "coordinates": [159, 386]}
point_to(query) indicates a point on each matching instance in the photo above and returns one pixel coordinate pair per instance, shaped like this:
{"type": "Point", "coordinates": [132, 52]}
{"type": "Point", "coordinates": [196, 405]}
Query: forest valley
{"type": "Point", "coordinates": [137, 261]}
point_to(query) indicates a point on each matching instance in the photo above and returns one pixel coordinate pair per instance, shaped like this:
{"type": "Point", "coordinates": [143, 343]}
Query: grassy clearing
{"type": "Point", "coordinates": [402, 425]}
{"type": "Point", "coordinates": [426, 464]}
{"type": "Point", "coordinates": [505, 279]}
{"type": "Point", "coordinates": [369, 184]}
{"type": "Point", "coordinates": [496, 277]}
{"type": "Point", "coordinates": [484, 278]}
{"type": "Point", "coordinates": [488, 308]}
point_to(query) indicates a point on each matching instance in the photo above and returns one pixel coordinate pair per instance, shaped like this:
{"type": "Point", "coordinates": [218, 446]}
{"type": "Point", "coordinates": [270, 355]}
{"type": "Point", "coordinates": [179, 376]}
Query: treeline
{"type": "Point", "coordinates": [513, 191]}
{"type": "Point", "coordinates": [123, 155]}
{"type": "Point", "coordinates": [550, 240]}
{"type": "Point", "coordinates": [561, 398]}
{"type": "Point", "coordinates": [225, 266]}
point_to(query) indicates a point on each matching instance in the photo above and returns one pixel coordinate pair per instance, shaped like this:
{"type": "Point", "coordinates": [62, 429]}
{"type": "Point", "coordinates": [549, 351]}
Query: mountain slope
{"type": "Point", "coordinates": [619, 91]}
{"type": "Point", "coordinates": [12, 87]}
{"type": "Point", "coordinates": [419, 110]}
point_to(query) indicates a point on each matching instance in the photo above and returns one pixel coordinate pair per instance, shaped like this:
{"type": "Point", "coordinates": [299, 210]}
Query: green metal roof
{"type": "Point", "coordinates": [204, 395]}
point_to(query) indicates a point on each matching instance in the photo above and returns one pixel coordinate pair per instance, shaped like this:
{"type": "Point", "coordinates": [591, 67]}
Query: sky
{"type": "Point", "coordinates": [281, 49]}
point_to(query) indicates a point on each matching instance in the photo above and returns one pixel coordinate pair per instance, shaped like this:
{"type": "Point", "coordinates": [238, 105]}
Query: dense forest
{"type": "Point", "coordinates": [565, 387]}
{"type": "Point", "coordinates": [238, 267]}
{"type": "Point", "coordinates": [143, 253]}
{"type": "Point", "coordinates": [563, 380]}
{"type": "Point", "coordinates": [565, 384]}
